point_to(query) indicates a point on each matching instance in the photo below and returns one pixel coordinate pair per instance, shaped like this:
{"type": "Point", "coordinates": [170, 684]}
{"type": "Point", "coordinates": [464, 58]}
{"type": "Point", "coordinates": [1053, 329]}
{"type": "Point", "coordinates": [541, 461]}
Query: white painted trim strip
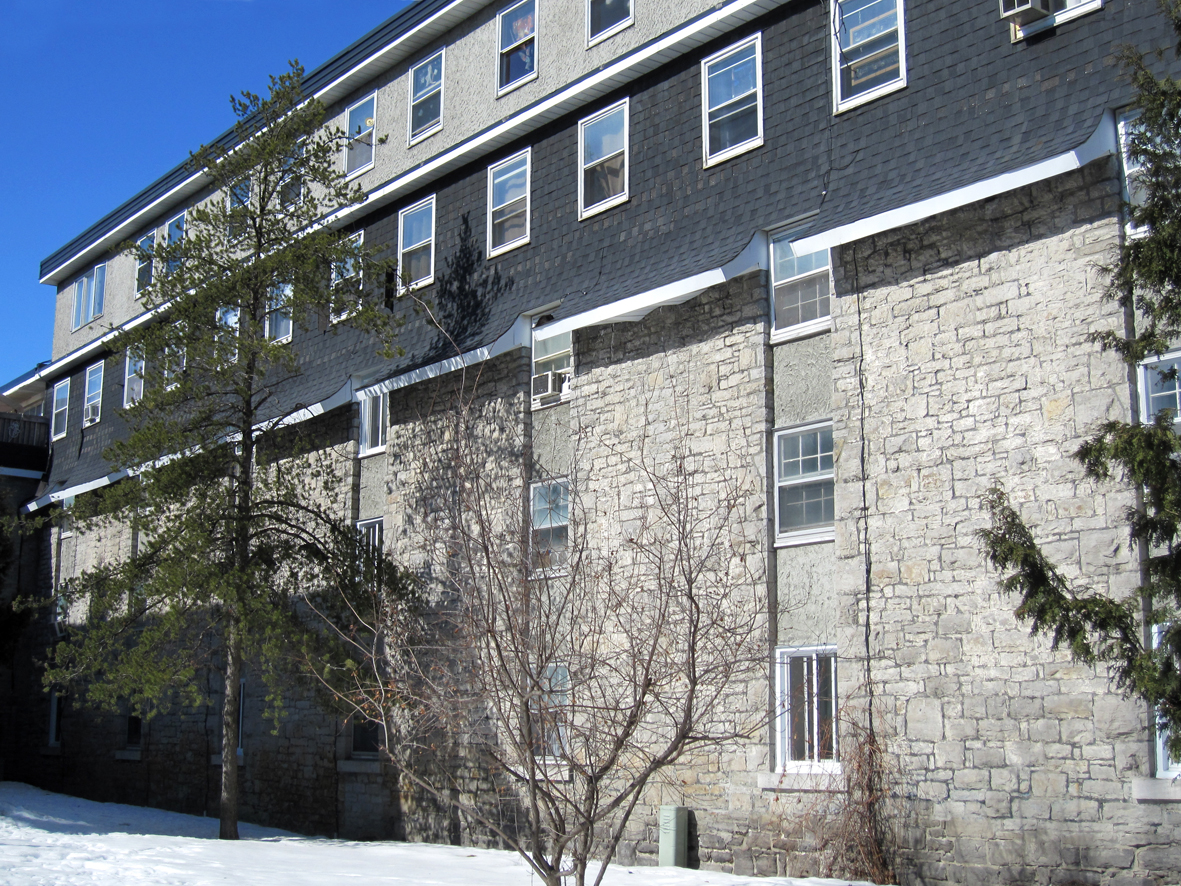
{"type": "Point", "coordinates": [628, 310]}
{"type": "Point", "coordinates": [72, 491]}
{"type": "Point", "coordinates": [1101, 143]}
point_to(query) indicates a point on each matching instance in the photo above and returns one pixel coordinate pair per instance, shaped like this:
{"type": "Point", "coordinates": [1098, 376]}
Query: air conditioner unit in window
{"type": "Point", "coordinates": [90, 414]}
{"type": "Point", "coordinates": [548, 385]}
{"type": "Point", "coordinates": [1023, 12]}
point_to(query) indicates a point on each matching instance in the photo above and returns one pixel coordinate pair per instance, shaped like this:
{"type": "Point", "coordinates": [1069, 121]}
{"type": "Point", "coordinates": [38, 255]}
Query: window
{"type": "Point", "coordinates": [551, 524]}
{"type": "Point", "coordinates": [548, 711]}
{"type": "Point", "coordinates": [174, 366]}
{"type": "Point", "coordinates": [368, 737]}
{"type": "Point", "coordinates": [375, 412]}
{"type": "Point", "coordinates": [61, 409]}
{"type": "Point", "coordinates": [1134, 192]}
{"type": "Point", "coordinates": [426, 97]}
{"type": "Point", "coordinates": [1062, 12]}
{"type": "Point", "coordinates": [239, 209]}
{"type": "Point", "coordinates": [508, 203]}
{"type": "Point", "coordinates": [804, 485]}
{"type": "Point", "coordinates": [416, 253]}
{"type": "Point", "coordinates": [175, 233]}
{"type": "Point", "coordinates": [606, 17]}
{"type": "Point", "coordinates": [346, 277]}
{"type": "Point", "coordinates": [732, 109]}
{"type": "Point", "coordinates": [806, 708]}
{"type": "Point", "coordinates": [57, 708]}
{"type": "Point", "coordinates": [88, 295]}
{"type": "Point", "coordinates": [93, 404]}
{"type": "Point", "coordinates": [552, 368]}
{"type": "Point", "coordinates": [133, 380]}
{"type": "Point", "coordinates": [801, 285]}
{"type": "Point", "coordinates": [517, 26]}
{"type": "Point", "coordinates": [361, 120]}
{"type": "Point", "coordinates": [1160, 389]}
{"type": "Point", "coordinates": [241, 711]}
{"type": "Point", "coordinates": [372, 547]}
{"type": "Point", "coordinates": [225, 339]}
{"type": "Point", "coordinates": [143, 268]}
{"type": "Point", "coordinates": [602, 159]}
{"type": "Point", "coordinates": [135, 731]}
{"type": "Point", "coordinates": [869, 50]}
{"type": "Point", "coordinates": [1166, 766]}
{"type": "Point", "coordinates": [278, 319]}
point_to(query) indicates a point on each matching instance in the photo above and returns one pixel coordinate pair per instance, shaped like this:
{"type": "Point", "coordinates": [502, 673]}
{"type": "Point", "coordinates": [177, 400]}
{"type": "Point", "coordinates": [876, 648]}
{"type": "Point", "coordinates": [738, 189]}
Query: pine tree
{"type": "Point", "coordinates": [236, 521]}
{"type": "Point", "coordinates": [1138, 636]}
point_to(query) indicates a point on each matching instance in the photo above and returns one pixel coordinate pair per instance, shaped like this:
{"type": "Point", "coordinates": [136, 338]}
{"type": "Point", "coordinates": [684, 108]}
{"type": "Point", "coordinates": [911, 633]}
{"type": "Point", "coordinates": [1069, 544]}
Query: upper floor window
{"type": "Point", "coordinates": [508, 203]}
{"type": "Point", "coordinates": [606, 17]}
{"type": "Point", "coordinates": [1160, 388]}
{"type": "Point", "coordinates": [348, 269]}
{"type": "Point", "coordinates": [93, 405]}
{"type": "Point", "coordinates": [239, 208]}
{"type": "Point", "coordinates": [552, 367]}
{"type": "Point", "coordinates": [806, 687]}
{"type": "Point", "coordinates": [426, 97]}
{"type": "Point", "coordinates": [61, 409]}
{"type": "Point", "coordinates": [226, 335]}
{"type": "Point", "coordinates": [802, 286]}
{"type": "Point", "coordinates": [143, 266]}
{"type": "Point", "coordinates": [278, 319]}
{"type": "Point", "coordinates": [416, 243]}
{"type": "Point", "coordinates": [550, 524]}
{"type": "Point", "coordinates": [175, 233]}
{"type": "Point", "coordinates": [602, 160]}
{"type": "Point", "coordinates": [804, 482]}
{"type": "Point", "coordinates": [361, 121]}
{"type": "Point", "coordinates": [869, 50]}
{"type": "Point", "coordinates": [732, 109]}
{"type": "Point", "coordinates": [1133, 174]}
{"type": "Point", "coordinates": [518, 44]}
{"type": "Point", "coordinates": [375, 420]}
{"type": "Point", "coordinates": [1061, 11]}
{"type": "Point", "coordinates": [89, 291]}
{"type": "Point", "coordinates": [133, 379]}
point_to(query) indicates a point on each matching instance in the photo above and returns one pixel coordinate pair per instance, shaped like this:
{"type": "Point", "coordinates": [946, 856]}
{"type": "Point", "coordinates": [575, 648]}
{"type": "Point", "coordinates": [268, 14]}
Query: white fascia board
{"type": "Point", "coordinates": [21, 473]}
{"type": "Point", "coordinates": [628, 310]}
{"type": "Point", "coordinates": [341, 397]}
{"type": "Point", "coordinates": [1101, 143]}
{"type": "Point", "coordinates": [72, 491]}
{"type": "Point", "coordinates": [517, 336]}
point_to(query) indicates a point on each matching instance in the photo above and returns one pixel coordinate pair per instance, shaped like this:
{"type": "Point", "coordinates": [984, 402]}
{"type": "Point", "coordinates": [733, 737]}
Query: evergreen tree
{"type": "Point", "coordinates": [1140, 635]}
{"type": "Point", "coordinates": [233, 525]}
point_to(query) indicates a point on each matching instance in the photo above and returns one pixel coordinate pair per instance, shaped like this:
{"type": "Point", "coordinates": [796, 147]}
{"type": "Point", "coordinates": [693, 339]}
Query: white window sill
{"type": "Point", "coordinates": [507, 247]}
{"type": "Point", "coordinates": [1017, 33]}
{"type": "Point", "coordinates": [536, 405]}
{"type": "Point", "coordinates": [584, 214]}
{"type": "Point", "coordinates": [133, 754]}
{"type": "Point", "coordinates": [359, 766]}
{"type": "Point", "coordinates": [349, 176]}
{"type": "Point", "coordinates": [366, 453]}
{"type": "Point", "coordinates": [1164, 789]}
{"type": "Point", "coordinates": [817, 777]}
{"type": "Point", "coordinates": [730, 153]}
{"type": "Point", "coordinates": [610, 32]}
{"type": "Point", "coordinates": [802, 330]}
{"type": "Point", "coordinates": [806, 537]}
{"type": "Point", "coordinates": [867, 97]}
{"type": "Point", "coordinates": [423, 136]}
{"type": "Point", "coordinates": [516, 84]}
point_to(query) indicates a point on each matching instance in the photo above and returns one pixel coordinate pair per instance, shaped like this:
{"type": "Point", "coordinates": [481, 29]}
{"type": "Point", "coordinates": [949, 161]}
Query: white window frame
{"type": "Point", "coordinates": [808, 327]}
{"type": "Point", "coordinates": [430, 278]}
{"type": "Point", "coordinates": [1148, 374]}
{"type": "Point", "coordinates": [1082, 7]}
{"type": "Point", "coordinates": [539, 401]}
{"type": "Point", "coordinates": [278, 305]}
{"type": "Point", "coordinates": [89, 296]}
{"type": "Point", "coordinates": [1166, 766]}
{"type": "Point", "coordinates": [549, 568]}
{"type": "Point", "coordinates": [783, 657]}
{"type": "Point", "coordinates": [606, 33]}
{"type": "Point", "coordinates": [144, 268]}
{"type": "Point", "coordinates": [413, 137]}
{"type": "Point", "coordinates": [133, 380]}
{"type": "Point", "coordinates": [221, 317]}
{"type": "Point", "coordinates": [356, 240]}
{"type": "Point", "coordinates": [587, 211]}
{"type": "Point", "coordinates": [93, 398]}
{"type": "Point", "coordinates": [712, 159]}
{"type": "Point", "coordinates": [495, 168]}
{"type": "Point", "coordinates": [809, 534]}
{"type": "Point", "coordinates": [1128, 171]}
{"type": "Point", "coordinates": [501, 49]}
{"type": "Point", "coordinates": [172, 266]}
{"type": "Point", "coordinates": [551, 702]}
{"type": "Point", "coordinates": [173, 371]}
{"type": "Point", "coordinates": [360, 135]}
{"type": "Point", "coordinates": [57, 433]}
{"type": "Point", "coordinates": [372, 533]}
{"type": "Point", "coordinates": [366, 444]}
{"type": "Point", "coordinates": [843, 104]}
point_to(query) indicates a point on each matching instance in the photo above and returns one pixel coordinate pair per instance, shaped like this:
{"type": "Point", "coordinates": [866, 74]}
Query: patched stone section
{"type": "Point", "coordinates": [967, 335]}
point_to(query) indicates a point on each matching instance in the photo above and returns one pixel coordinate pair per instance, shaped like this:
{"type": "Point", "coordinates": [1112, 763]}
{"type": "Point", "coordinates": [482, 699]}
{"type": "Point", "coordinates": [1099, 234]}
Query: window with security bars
{"type": "Point", "coordinates": [802, 287]}
{"type": "Point", "coordinates": [805, 486]}
{"type": "Point", "coordinates": [806, 709]}
{"type": "Point", "coordinates": [550, 523]}
{"type": "Point", "coordinates": [548, 710]}
{"type": "Point", "coordinates": [869, 49]}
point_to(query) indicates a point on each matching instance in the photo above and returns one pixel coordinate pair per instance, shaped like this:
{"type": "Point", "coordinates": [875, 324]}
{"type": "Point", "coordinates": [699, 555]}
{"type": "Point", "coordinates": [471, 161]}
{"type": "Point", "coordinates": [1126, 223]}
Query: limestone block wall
{"type": "Point", "coordinates": [961, 359]}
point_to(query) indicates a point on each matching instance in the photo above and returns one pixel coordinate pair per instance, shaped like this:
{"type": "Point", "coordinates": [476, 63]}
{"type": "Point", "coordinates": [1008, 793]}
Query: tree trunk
{"type": "Point", "coordinates": [229, 735]}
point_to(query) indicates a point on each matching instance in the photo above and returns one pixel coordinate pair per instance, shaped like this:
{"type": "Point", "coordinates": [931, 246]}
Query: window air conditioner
{"type": "Point", "coordinates": [1023, 12]}
{"type": "Point", "coordinates": [547, 385]}
{"type": "Point", "coordinates": [90, 414]}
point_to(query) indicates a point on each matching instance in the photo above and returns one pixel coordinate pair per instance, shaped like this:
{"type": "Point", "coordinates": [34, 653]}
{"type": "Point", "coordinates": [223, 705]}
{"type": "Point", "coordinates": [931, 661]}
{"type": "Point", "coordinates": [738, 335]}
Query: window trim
{"type": "Point", "coordinates": [607, 33]}
{"type": "Point", "coordinates": [783, 765]}
{"type": "Point", "coordinates": [84, 312]}
{"type": "Point", "coordinates": [87, 402]}
{"type": "Point", "coordinates": [65, 411]}
{"type": "Point", "coordinates": [1017, 33]}
{"type": "Point", "coordinates": [492, 170]}
{"type": "Point", "coordinates": [552, 696]}
{"type": "Point", "coordinates": [812, 534]}
{"type": "Point", "coordinates": [182, 216]}
{"type": "Point", "coordinates": [840, 105]}
{"type": "Point", "coordinates": [1126, 169]}
{"type": "Point", "coordinates": [348, 174]}
{"type": "Point", "coordinates": [1146, 366]}
{"type": "Point", "coordinates": [411, 137]}
{"type": "Point", "coordinates": [506, 88]}
{"type": "Point", "coordinates": [140, 265]}
{"type": "Point", "coordinates": [357, 238]}
{"type": "Point", "coordinates": [709, 160]}
{"type": "Point", "coordinates": [363, 527]}
{"type": "Point", "coordinates": [534, 567]}
{"type": "Point", "coordinates": [808, 328]}
{"type": "Point", "coordinates": [364, 448]}
{"type": "Point", "coordinates": [278, 302]}
{"type": "Point", "coordinates": [428, 280]}
{"type": "Point", "coordinates": [128, 375]}
{"type": "Point", "coordinates": [585, 212]}
{"type": "Point", "coordinates": [543, 401]}
{"type": "Point", "coordinates": [1166, 766]}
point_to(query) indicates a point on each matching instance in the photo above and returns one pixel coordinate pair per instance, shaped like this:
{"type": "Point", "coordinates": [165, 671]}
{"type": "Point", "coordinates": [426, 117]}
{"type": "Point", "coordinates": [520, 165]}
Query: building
{"type": "Point", "coordinates": [854, 245]}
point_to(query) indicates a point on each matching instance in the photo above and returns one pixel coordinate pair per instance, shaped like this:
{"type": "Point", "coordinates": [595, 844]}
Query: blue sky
{"type": "Point", "coordinates": [99, 99]}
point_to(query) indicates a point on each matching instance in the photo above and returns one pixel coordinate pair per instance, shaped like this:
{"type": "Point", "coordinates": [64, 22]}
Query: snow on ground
{"type": "Point", "coordinates": [54, 840]}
